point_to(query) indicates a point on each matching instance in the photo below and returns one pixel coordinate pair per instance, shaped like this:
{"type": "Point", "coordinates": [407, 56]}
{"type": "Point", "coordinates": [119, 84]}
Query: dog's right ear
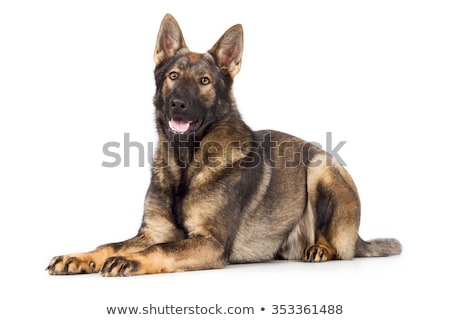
{"type": "Point", "coordinates": [169, 41]}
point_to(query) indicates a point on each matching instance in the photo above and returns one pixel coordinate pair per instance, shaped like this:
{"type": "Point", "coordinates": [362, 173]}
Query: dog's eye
{"type": "Point", "coordinates": [205, 81]}
{"type": "Point", "coordinates": [173, 75]}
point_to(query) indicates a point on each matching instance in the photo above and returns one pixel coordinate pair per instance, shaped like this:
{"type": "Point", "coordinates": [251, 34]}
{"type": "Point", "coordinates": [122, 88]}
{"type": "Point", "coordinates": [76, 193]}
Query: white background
{"type": "Point", "coordinates": [75, 75]}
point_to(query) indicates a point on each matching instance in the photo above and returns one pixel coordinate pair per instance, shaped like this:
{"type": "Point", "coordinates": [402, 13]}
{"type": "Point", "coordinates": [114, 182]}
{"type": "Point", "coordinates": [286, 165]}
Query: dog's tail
{"type": "Point", "coordinates": [377, 247]}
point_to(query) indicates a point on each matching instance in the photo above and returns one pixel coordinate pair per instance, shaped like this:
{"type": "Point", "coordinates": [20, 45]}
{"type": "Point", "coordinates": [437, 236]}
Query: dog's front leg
{"type": "Point", "coordinates": [193, 253]}
{"type": "Point", "coordinates": [157, 227]}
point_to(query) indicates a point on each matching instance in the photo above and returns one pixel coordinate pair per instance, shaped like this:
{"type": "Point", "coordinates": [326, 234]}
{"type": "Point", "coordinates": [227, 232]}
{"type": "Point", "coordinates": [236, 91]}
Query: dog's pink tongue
{"type": "Point", "coordinates": [179, 125]}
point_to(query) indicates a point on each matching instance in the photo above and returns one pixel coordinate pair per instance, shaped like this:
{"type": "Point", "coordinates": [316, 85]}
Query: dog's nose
{"type": "Point", "coordinates": [179, 104]}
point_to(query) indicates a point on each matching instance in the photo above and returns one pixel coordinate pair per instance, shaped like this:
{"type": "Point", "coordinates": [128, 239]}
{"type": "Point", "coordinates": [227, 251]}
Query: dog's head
{"type": "Point", "coordinates": [193, 90]}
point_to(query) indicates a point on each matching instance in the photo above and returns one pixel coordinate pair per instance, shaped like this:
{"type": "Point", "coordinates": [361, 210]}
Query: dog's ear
{"type": "Point", "coordinates": [169, 41]}
{"type": "Point", "coordinates": [227, 52]}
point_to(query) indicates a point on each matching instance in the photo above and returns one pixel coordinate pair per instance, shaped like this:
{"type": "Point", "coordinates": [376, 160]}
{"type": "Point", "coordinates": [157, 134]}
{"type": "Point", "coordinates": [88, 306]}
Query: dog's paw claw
{"type": "Point", "coordinates": [71, 264]}
{"type": "Point", "coordinates": [316, 253]}
{"type": "Point", "coordinates": [119, 267]}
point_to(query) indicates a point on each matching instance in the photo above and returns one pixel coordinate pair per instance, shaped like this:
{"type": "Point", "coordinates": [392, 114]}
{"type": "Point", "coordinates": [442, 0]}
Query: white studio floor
{"type": "Point", "coordinates": [375, 288]}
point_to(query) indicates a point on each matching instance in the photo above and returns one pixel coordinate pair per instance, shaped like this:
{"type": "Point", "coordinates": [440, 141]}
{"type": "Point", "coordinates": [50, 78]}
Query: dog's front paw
{"type": "Point", "coordinates": [72, 264]}
{"type": "Point", "coordinates": [120, 266]}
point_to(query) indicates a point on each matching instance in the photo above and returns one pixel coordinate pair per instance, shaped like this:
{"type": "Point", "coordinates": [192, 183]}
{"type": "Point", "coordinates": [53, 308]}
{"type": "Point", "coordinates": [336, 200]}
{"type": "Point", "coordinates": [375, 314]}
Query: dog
{"type": "Point", "coordinates": [221, 193]}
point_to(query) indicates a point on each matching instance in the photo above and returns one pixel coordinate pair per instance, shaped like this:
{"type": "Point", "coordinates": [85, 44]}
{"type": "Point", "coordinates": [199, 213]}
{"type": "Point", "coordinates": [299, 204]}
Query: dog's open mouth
{"type": "Point", "coordinates": [183, 126]}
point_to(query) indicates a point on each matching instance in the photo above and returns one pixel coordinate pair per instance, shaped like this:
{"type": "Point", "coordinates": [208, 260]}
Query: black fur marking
{"type": "Point", "coordinates": [324, 208]}
{"type": "Point", "coordinates": [178, 194]}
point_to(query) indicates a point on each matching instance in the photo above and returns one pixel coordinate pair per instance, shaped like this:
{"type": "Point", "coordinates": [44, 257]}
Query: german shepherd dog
{"type": "Point", "coordinates": [221, 193]}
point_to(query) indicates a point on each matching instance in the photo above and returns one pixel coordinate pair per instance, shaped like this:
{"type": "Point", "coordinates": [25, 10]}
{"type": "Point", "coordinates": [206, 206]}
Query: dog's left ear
{"type": "Point", "coordinates": [227, 52]}
{"type": "Point", "coordinates": [170, 40]}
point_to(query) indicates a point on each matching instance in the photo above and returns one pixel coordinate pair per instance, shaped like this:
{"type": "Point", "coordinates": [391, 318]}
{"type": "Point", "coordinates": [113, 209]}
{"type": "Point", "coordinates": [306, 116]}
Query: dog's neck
{"type": "Point", "coordinates": [182, 148]}
{"type": "Point", "coordinates": [225, 143]}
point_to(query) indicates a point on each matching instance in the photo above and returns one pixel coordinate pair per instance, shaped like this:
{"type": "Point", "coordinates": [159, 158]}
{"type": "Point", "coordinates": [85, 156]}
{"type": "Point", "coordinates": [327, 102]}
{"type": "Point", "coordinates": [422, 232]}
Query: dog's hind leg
{"type": "Point", "coordinates": [335, 202]}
